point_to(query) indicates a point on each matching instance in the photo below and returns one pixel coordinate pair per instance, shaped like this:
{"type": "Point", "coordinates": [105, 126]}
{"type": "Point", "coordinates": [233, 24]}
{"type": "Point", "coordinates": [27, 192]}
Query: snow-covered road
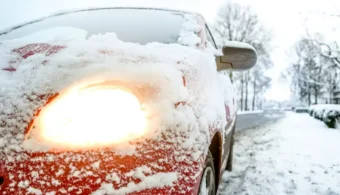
{"type": "Point", "coordinates": [245, 121]}
{"type": "Point", "coordinates": [297, 155]}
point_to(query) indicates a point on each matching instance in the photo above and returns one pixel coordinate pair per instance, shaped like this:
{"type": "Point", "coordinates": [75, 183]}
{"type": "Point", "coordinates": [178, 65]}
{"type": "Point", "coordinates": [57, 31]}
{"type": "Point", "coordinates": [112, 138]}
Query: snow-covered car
{"type": "Point", "coordinates": [116, 101]}
{"type": "Point", "coordinates": [301, 109]}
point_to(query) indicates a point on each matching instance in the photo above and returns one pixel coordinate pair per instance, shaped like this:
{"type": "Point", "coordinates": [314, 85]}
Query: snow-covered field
{"type": "Point", "coordinates": [297, 155]}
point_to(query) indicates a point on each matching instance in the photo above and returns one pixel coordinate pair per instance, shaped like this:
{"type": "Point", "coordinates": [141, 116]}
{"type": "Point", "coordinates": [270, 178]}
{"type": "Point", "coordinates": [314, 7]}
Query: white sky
{"type": "Point", "coordinates": [284, 17]}
{"type": "Point", "coordinates": [287, 19]}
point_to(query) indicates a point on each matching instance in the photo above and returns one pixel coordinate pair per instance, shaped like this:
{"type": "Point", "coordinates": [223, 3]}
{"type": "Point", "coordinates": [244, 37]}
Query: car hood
{"type": "Point", "coordinates": [182, 98]}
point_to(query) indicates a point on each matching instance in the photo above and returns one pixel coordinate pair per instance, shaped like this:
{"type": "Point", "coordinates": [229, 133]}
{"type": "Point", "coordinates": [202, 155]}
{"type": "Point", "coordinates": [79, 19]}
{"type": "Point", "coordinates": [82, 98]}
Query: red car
{"type": "Point", "coordinates": [116, 101]}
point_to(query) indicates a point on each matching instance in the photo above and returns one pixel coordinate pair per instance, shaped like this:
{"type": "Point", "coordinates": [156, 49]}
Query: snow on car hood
{"type": "Point", "coordinates": [27, 81]}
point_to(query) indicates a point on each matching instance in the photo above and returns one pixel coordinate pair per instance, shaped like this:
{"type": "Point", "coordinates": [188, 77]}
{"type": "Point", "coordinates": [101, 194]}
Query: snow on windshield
{"type": "Point", "coordinates": [131, 25]}
{"type": "Point", "coordinates": [189, 32]}
{"type": "Point", "coordinates": [56, 34]}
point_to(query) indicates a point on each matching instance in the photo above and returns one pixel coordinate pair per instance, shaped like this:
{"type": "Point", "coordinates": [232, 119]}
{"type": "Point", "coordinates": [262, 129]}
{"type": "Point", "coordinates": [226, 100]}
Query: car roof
{"type": "Point", "coordinates": [8, 30]}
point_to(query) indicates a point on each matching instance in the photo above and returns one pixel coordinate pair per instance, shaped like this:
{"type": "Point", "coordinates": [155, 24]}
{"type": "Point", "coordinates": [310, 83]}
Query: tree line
{"type": "Point", "coordinates": [237, 22]}
{"type": "Point", "coordinates": [315, 72]}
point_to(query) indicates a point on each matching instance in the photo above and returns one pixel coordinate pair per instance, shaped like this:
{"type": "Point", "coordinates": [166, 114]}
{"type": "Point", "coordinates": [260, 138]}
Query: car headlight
{"type": "Point", "coordinates": [91, 117]}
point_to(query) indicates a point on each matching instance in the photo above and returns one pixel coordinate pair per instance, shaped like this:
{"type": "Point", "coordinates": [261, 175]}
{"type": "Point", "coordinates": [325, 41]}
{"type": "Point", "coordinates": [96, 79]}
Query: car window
{"type": "Point", "coordinates": [131, 25]}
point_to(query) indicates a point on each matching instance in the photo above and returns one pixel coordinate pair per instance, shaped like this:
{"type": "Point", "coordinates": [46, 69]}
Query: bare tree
{"type": "Point", "coordinates": [260, 82]}
{"type": "Point", "coordinates": [246, 86]}
{"type": "Point", "coordinates": [242, 88]}
{"type": "Point", "coordinates": [308, 73]}
{"type": "Point", "coordinates": [236, 22]}
{"type": "Point", "coordinates": [329, 60]}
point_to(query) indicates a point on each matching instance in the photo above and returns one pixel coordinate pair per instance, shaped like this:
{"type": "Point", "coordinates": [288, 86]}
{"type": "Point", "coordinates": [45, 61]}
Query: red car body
{"type": "Point", "coordinates": [81, 172]}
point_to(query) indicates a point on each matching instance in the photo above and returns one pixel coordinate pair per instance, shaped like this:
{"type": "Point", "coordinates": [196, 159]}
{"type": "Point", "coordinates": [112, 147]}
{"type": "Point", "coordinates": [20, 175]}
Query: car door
{"type": "Point", "coordinates": [228, 103]}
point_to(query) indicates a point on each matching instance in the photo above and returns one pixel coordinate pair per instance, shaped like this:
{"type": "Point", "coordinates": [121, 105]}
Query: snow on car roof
{"type": "Point", "coordinates": [238, 44]}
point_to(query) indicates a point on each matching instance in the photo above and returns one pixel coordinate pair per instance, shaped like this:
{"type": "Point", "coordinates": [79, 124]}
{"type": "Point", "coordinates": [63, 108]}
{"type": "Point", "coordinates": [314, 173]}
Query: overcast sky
{"type": "Point", "coordinates": [286, 19]}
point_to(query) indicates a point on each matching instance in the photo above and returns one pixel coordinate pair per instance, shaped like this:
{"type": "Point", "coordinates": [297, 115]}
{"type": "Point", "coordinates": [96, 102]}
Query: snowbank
{"type": "Point", "coordinates": [329, 113]}
{"type": "Point", "coordinates": [324, 107]}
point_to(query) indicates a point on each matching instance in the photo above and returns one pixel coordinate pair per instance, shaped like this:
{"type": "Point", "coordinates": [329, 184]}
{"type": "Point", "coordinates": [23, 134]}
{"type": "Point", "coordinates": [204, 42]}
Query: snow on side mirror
{"type": "Point", "coordinates": [236, 56]}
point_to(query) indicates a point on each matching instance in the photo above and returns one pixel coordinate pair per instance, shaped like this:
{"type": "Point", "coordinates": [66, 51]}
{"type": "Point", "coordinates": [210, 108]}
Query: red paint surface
{"type": "Point", "coordinates": [31, 49]}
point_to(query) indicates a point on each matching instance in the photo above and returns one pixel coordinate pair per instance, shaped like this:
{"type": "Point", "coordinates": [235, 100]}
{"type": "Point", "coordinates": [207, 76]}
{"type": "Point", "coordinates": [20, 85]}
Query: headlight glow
{"type": "Point", "coordinates": [91, 117]}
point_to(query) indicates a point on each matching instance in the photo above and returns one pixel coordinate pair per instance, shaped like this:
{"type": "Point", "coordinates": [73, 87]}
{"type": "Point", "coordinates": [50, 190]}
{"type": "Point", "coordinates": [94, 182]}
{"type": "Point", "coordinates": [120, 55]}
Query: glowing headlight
{"type": "Point", "coordinates": [95, 116]}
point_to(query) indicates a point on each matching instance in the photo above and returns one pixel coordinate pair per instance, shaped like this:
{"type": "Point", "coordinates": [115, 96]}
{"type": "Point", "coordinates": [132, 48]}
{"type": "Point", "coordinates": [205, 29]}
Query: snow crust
{"type": "Point", "coordinates": [157, 180]}
{"type": "Point", "coordinates": [105, 58]}
{"type": "Point", "coordinates": [183, 93]}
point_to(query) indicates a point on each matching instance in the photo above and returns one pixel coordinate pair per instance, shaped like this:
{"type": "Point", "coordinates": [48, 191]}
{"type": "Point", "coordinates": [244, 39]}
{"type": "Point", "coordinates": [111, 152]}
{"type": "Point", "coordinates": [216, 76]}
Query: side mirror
{"type": "Point", "coordinates": [236, 56]}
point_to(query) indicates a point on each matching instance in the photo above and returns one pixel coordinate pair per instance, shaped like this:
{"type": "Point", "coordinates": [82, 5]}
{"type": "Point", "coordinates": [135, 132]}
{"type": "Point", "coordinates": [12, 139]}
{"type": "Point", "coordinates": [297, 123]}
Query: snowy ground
{"type": "Point", "coordinates": [297, 155]}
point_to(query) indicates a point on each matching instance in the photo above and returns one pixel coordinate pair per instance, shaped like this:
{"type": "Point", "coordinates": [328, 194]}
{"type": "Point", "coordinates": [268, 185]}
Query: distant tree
{"type": "Point", "coordinates": [236, 22]}
{"type": "Point", "coordinates": [309, 72]}
{"type": "Point", "coordinates": [315, 73]}
{"type": "Point", "coordinates": [330, 52]}
{"type": "Point", "coordinates": [260, 82]}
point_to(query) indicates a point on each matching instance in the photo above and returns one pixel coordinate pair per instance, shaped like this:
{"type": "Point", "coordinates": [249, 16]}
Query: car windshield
{"type": "Point", "coordinates": [130, 25]}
